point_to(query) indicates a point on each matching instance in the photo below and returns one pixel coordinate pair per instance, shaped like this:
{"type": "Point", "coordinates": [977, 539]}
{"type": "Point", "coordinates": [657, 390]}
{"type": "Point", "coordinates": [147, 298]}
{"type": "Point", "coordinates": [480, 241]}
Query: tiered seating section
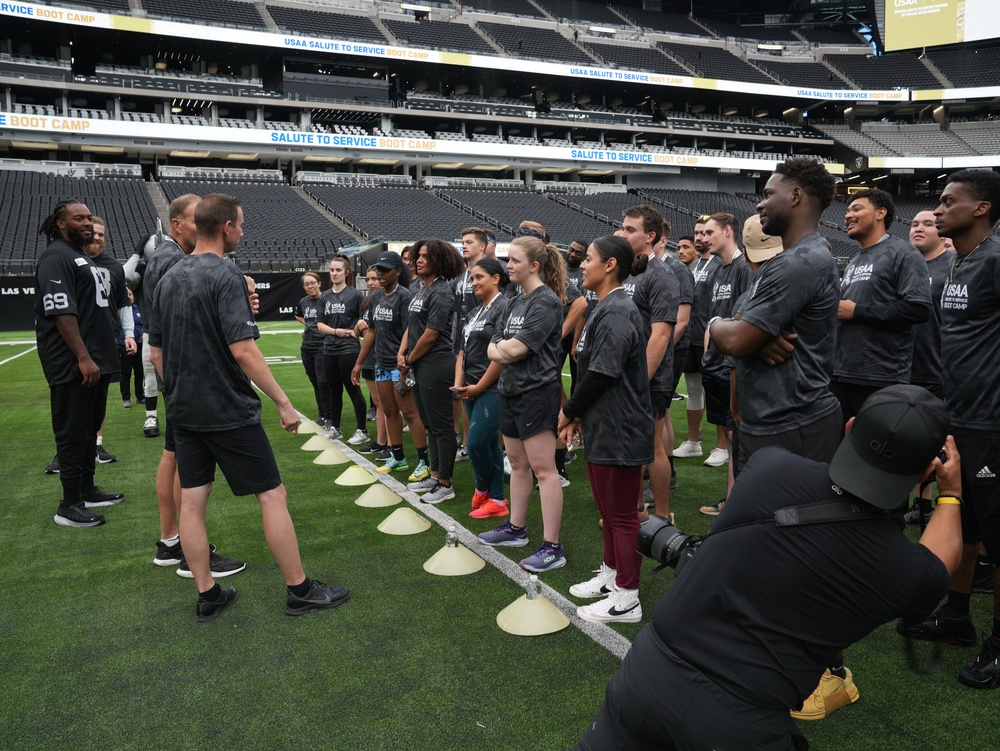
{"type": "Point", "coordinates": [220, 12]}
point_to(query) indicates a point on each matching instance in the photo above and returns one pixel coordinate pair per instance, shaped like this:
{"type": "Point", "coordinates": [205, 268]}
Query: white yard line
{"type": "Point", "coordinates": [19, 354]}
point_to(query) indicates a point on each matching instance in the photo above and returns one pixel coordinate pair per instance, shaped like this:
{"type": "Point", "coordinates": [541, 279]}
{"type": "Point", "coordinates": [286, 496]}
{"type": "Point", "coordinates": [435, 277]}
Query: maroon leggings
{"type": "Point", "coordinates": [616, 490]}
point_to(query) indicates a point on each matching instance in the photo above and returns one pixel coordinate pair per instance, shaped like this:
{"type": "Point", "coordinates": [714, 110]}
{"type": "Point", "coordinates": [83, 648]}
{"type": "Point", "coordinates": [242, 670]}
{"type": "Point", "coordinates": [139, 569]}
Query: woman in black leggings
{"type": "Point", "coordinates": [340, 313]}
{"type": "Point", "coordinates": [309, 313]}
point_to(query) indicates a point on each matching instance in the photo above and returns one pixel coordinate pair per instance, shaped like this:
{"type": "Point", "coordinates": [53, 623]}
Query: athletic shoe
{"type": "Point", "coordinates": [210, 609]}
{"type": "Point", "coordinates": [371, 415]}
{"type": "Point", "coordinates": [140, 400]}
{"type": "Point", "coordinates": [959, 631]}
{"type": "Point", "coordinates": [359, 437]}
{"type": "Point", "coordinates": [103, 457]}
{"type": "Point", "coordinates": [506, 465]}
{"type": "Point", "coordinates": [52, 468]}
{"type": "Point", "coordinates": [545, 558]}
{"type": "Point", "coordinates": [392, 464]}
{"type": "Point", "coordinates": [372, 448]}
{"type": "Point", "coordinates": [983, 580]}
{"type": "Point", "coordinates": [462, 454]}
{"type": "Point", "coordinates": [714, 509]}
{"type": "Point", "coordinates": [648, 499]}
{"type": "Point", "coordinates": [479, 498]}
{"type": "Point", "coordinates": [491, 508]}
{"type": "Point", "coordinates": [563, 481]}
{"type": "Point", "coordinates": [319, 597]}
{"type": "Point", "coordinates": [920, 507]}
{"type": "Point", "coordinates": [151, 428]}
{"type": "Point", "coordinates": [505, 536]}
{"type": "Point", "coordinates": [78, 516]}
{"type": "Point", "coordinates": [384, 455]}
{"type": "Point", "coordinates": [439, 493]}
{"type": "Point", "coordinates": [420, 472]}
{"type": "Point", "coordinates": [570, 457]}
{"type": "Point", "coordinates": [689, 450]}
{"type": "Point", "coordinates": [422, 486]}
{"type": "Point", "coordinates": [332, 433]}
{"type": "Point", "coordinates": [126, 404]}
{"type": "Point", "coordinates": [673, 481]}
{"type": "Point", "coordinates": [220, 565]}
{"type": "Point", "coordinates": [98, 497]}
{"type": "Point", "coordinates": [677, 398]}
{"type": "Point", "coordinates": [406, 428]}
{"type": "Point", "coordinates": [718, 458]}
{"type": "Point", "coordinates": [621, 606]}
{"type": "Point", "coordinates": [168, 555]}
{"type": "Point", "coordinates": [831, 694]}
{"type": "Point", "coordinates": [601, 585]}
{"type": "Point", "coordinates": [984, 671]}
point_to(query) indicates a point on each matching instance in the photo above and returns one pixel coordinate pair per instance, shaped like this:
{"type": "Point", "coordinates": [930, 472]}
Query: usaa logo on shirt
{"type": "Point", "coordinates": [309, 313]}
{"type": "Point", "coordinates": [514, 324]}
{"type": "Point", "coordinates": [333, 308]}
{"type": "Point", "coordinates": [416, 304]}
{"type": "Point", "coordinates": [384, 314]}
{"type": "Point", "coordinates": [583, 340]}
{"type": "Point", "coordinates": [721, 292]}
{"type": "Point", "coordinates": [629, 288]}
{"type": "Point", "coordinates": [861, 273]}
{"type": "Point", "coordinates": [955, 297]}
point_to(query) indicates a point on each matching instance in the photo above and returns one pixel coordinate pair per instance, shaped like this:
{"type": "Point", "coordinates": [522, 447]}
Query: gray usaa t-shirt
{"type": "Point", "coordinates": [656, 293]}
{"type": "Point", "coordinates": [536, 320]}
{"type": "Point", "coordinates": [388, 321]}
{"type": "Point", "coordinates": [341, 310]}
{"type": "Point", "coordinates": [433, 307]}
{"type": "Point", "coordinates": [478, 334]}
{"type": "Point", "coordinates": [725, 285]}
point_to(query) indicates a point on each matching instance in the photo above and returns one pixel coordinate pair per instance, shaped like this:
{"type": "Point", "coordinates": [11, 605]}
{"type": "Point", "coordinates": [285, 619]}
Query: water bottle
{"type": "Point", "coordinates": [451, 539]}
{"type": "Point", "coordinates": [532, 589]}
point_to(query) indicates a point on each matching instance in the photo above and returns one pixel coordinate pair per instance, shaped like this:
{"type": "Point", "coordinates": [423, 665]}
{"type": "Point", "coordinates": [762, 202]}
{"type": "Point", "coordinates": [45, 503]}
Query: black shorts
{"type": "Point", "coordinates": [169, 441]}
{"type": "Point", "coordinates": [680, 356]}
{"type": "Point", "coordinates": [980, 488]}
{"type": "Point", "coordinates": [818, 440]}
{"type": "Point", "coordinates": [526, 414]}
{"type": "Point", "coordinates": [692, 362]}
{"type": "Point", "coordinates": [717, 400]}
{"type": "Point", "coordinates": [935, 387]}
{"type": "Point", "coordinates": [368, 374]}
{"type": "Point", "coordinates": [243, 454]}
{"type": "Point", "coordinates": [661, 403]}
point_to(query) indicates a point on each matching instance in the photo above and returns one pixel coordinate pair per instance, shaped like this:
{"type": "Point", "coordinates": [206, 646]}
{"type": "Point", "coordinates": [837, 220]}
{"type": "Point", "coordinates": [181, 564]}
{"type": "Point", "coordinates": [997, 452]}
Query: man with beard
{"type": "Point", "coordinates": [76, 346]}
{"type": "Point", "coordinates": [574, 257]}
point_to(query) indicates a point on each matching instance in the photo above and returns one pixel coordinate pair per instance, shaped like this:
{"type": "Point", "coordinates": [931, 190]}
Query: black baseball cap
{"type": "Point", "coordinates": [389, 260]}
{"type": "Point", "coordinates": [896, 434]}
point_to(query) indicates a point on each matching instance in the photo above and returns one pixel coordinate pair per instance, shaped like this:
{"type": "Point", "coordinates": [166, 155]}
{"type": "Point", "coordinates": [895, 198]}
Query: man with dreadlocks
{"type": "Point", "coordinates": [76, 345]}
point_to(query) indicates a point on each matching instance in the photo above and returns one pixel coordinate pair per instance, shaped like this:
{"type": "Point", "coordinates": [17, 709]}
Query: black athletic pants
{"type": "Point", "coordinates": [435, 377]}
{"type": "Point", "coordinates": [131, 366]}
{"type": "Point", "coordinates": [77, 414]}
{"type": "Point", "coordinates": [312, 361]}
{"type": "Point", "coordinates": [338, 377]}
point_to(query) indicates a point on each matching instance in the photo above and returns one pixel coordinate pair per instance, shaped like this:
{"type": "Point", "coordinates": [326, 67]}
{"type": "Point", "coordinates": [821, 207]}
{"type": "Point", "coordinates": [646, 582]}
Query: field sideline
{"type": "Point", "coordinates": [100, 649]}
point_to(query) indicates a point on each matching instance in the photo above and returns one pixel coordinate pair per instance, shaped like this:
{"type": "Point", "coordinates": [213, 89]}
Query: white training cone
{"type": "Point", "coordinates": [378, 496]}
{"type": "Point", "coordinates": [454, 559]}
{"type": "Point", "coordinates": [317, 443]}
{"type": "Point", "coordinates": [308, 426]}
{"type": "Point", "coordinates": [404, 521]}
{"type": "Point", "coordinates": [333, 455]}
{"type": "Point", "coordinates": [355, 476]}
{"type": "Point", "coordinates": [531, 614]}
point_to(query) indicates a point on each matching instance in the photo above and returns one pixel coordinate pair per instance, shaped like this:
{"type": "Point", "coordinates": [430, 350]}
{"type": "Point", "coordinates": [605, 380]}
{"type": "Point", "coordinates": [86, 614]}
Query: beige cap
{"type": "Point", "coordinates": [758, 246]}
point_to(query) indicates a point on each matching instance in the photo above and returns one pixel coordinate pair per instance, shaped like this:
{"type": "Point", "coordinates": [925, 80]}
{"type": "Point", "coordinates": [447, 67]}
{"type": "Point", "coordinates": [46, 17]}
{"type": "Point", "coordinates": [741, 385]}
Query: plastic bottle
{"type": "Point", "coordinates": [531, 590]}
{"type": "Point", "coordinates": [451, 539]}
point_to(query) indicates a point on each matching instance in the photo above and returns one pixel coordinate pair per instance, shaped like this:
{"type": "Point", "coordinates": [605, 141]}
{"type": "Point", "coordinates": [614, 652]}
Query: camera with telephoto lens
{"type": "Point", "coordinates": [664, 543]}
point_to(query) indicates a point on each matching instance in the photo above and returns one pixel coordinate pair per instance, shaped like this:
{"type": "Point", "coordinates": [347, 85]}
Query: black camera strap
{"type": "Point", "coordinates": [827, 511]}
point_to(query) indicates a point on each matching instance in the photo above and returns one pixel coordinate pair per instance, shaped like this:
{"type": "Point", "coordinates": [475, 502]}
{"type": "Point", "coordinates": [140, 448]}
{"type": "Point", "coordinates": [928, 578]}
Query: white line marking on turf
{"type": "Point", "coordinates": [605, 636]}
{"type": "Point", "coordinates": [19, 341]}
{"type": "Point", "coordinates": [21, 354]}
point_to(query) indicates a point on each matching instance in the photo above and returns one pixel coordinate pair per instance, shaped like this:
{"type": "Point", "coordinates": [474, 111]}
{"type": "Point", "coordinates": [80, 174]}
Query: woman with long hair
{"type": "Point", "coordinates": [381, 443]}
{"type": "Point", "coordinates": [389, 311]}
{"type": "Point", "coordinates": [476, 382]}
{"type": "Point", "coordinates": [340, 314]}
{"type": "Point", "coordinates": [528, 345]}
{"type": "Point", "coordinates": [309, 313]}
{"type": "Point", "coordinates": [427, 349]}
{"type": "Point", "coordinates": [611, 406]}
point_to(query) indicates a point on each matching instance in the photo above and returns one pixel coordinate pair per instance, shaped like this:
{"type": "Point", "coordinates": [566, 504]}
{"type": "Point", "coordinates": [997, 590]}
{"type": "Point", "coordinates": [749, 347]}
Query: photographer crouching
{"type": "Point", "coordinates": [803, 561]}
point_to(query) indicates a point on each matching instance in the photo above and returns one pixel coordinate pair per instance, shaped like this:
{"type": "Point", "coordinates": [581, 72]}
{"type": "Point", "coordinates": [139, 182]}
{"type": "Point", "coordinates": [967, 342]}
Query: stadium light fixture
{"type": "Point", "coordinates": [411, 6]}
{"type": "Point", "coordinates": [603, 29]}
{"type": "Point", "coordinates": [188, 154]}
{"type": "Point", "coordinates": [770, 47]}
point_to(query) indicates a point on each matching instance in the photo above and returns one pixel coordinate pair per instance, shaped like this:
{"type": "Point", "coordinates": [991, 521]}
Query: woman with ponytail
{"type": "Point", "coordinates": [527, 343]}
{"type": "Point", "coordinates": [611, 405]}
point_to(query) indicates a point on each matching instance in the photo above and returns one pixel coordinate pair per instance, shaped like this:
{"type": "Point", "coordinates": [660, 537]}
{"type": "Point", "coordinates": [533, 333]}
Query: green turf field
{"type": "Point", "coordinates": [100, 649]}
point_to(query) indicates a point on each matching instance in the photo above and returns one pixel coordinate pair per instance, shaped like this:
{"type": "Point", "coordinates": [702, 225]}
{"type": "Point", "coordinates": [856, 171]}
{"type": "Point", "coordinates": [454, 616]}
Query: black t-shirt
{"type": "Point", "coordinates": [200, 307]}
{"type": "Point", "coordinates": [366, 316]}
{"type": "Point", "coordinates": [795, 291]}
{"type": "Point", "coordinates": [341, 310]}
{"type": "Point", "coordinates": [926, 368]}
{"type": "Point", "coordinates": [67, 283]}
{"type": "Point", "coordinates": [309, 311]}
{"type": "Point", "coordinates": [433, 307]}
{"type": "Point", "coordinates": [701, 272]}
{"type": "Point", "coordinates": [888, 282]}
{"type": "Point", "coordinates": [465, 302]}
{"type": "Point", "coordinates": [477, 336]}
{"type": "Point", "coordinates": [536, 320]}
{"type": "Point", "coordinates": [686, 281]}
{"type": "Point", "coordinates": [970, 338]}
{"type": "Point", "coordinates": [166, 255]}
{"type": "Point", "coordinates": [113, 276]}
{"type": "Point", "coordinates": [782, 602]}
{"type": "Point", "coordinates": [726, 284]}
{"type": "Point", "coordinates": [618, 426]}
{"type": "Point", "coordinates": [388, 321]}
{"type": "Point", "coordinates": [656, 293]}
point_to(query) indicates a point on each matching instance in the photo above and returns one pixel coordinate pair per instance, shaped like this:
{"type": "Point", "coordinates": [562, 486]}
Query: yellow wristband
{"type": "Point", "coordinates": [949, 500]}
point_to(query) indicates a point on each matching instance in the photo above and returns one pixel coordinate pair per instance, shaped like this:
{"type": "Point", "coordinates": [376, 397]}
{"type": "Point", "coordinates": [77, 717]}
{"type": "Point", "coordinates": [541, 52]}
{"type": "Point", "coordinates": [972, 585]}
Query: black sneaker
{"type": "Point", "coordinates": [77, 516]}
{"type": "Point", "coordinates": [168, 555]}
{"type": "Point", "coordinates": [372, 448]}
{"type": "Point", "coordinates": [384, 455]}
{"type": "Point", "coordinates": [151, 428]}
{"type": "Point", "coordinates": [318, 597]}
{"type": "Point", "coordinates": [960, 631]}
{"type": "Point", "coordinates": [983, 580]}
{"type": "Point", "coordinates": [52, 468]}
{"type": "Point", "coordinates": [984, 671]}
{"type": "Point", "coordinates": [208, 610]}
{"type": "Point", "coordinates": [919, 513]}
{"type": "Point", "coordinates": [220, 565]}
{"type": "Point", "coordinates": [103, 457]}
{"type": "Point", "coordinates": [99, 497]}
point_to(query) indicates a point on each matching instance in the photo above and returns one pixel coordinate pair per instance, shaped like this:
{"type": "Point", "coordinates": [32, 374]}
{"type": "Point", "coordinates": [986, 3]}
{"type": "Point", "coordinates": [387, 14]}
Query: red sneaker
{"type": "Point", "coordinates": [491, 508]}
{"type": "Point", "coordinates": [479, 498]}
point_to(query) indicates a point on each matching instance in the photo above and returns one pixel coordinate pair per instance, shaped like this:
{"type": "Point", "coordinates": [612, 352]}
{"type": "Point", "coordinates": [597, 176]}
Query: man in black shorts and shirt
{"type": "Point", "coordinates": [203, 346]}
{"type": "Point", "coordinates": [970, 351]}
{"type": "Point", "coordinates": [79, 356]}
{"type": "Point", "coordinates": [723, 671]}
{"type": "Point", "coordinates": [884, 294]}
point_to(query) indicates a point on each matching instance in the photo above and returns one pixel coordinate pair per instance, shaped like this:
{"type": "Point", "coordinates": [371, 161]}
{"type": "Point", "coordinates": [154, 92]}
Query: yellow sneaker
{"type": "Point", "coordinates": [831, 694]}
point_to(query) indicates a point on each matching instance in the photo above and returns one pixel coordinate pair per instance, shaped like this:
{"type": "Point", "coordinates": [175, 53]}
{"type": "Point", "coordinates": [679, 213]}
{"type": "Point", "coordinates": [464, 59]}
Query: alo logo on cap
{"type": "Point", "coordinates": [881, 448]}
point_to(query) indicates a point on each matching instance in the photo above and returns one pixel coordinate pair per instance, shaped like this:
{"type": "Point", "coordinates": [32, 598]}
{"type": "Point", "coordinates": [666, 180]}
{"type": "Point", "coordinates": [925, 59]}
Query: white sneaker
{"type": "Point", "coordinates": [563, 481]}
{"type": "Point", "coordinates": [422, 486]}
{"type": "Point", "coordinates": [718, 458]}
{"type": "Point", "coordinates": [462, 455]}
{"type": "Point", "coordinates": [359, 437]}
{"type": "Point", "coordinates": [332, 434]}
{"type": "Point", "coordinates": [600, 586]}
{"type": "Point", "coordinates": [439, 493]}
{"type": "Point", "coordinates": [688, 450]}
{"type": "Point", "coordinates": [506, 465]}
{"type": "Point", "coordinates": [622, 606]}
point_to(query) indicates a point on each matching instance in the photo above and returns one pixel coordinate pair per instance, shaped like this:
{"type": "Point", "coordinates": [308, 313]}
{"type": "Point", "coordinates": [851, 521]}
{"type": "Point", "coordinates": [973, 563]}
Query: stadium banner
{"type": "Point", "coordinates": [353, 145]}
{"type": "Point", "coordinates": [944, 95]}
{"type": "Point", "coordinates": [912, 24]}
{"type": "Point", "coordinates": [17, 303]}
{"type": "Point", "coordinates": [310, 44]}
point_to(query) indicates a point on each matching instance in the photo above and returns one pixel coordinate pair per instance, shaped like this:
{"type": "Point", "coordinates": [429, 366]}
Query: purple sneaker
{"type": "Point", "coordinates": [505, 534]}
{"type": "Point", "coordinates": [545, 558]}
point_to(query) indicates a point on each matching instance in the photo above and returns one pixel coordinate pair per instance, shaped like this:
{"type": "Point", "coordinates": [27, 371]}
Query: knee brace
{"type": "Point", "coordinates": [696, 392]}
